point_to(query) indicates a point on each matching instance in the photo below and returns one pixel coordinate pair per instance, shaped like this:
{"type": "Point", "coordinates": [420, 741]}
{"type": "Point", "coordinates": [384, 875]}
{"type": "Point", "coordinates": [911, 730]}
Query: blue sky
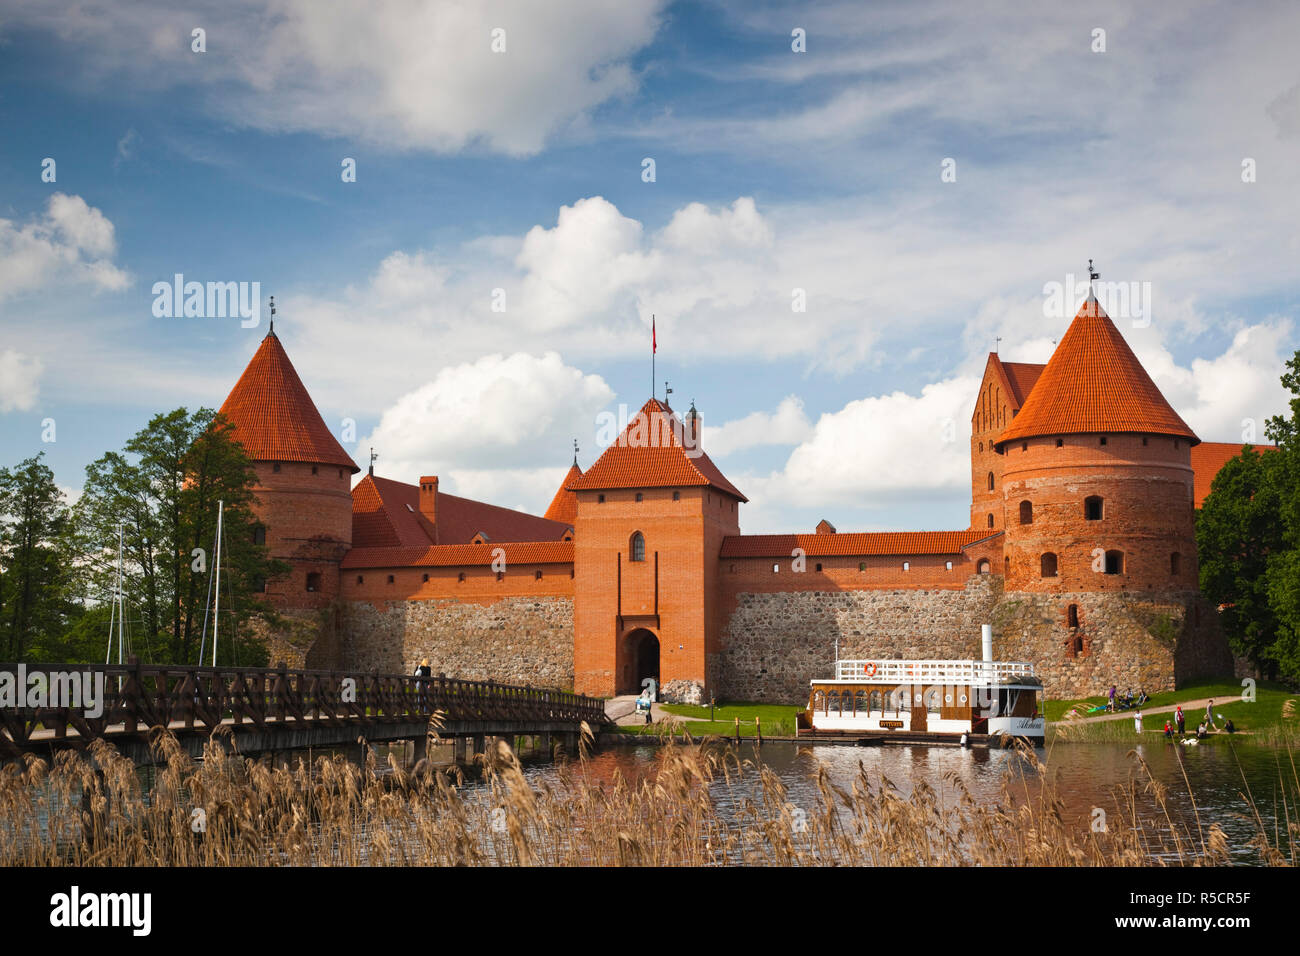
{"type": "Point", "coordinates": [522, 171]}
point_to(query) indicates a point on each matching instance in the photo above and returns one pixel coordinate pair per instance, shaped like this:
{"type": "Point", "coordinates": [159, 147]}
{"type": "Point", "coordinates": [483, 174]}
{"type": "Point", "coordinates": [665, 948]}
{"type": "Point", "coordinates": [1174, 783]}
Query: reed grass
{"type": "Point", "coordinates": [92, 810]}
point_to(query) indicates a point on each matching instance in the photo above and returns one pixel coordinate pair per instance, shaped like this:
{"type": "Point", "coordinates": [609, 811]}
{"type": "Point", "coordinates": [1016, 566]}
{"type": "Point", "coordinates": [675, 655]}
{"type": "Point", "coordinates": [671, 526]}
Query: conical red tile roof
{"type": "Point", "coordinates": [1094, 383]}
{"type": "Point", "coordinates": [564, 506]}
{"type": "Point", "coordinates": [649, 454]}
{"type": "Point", "coordinates": [274, 417]}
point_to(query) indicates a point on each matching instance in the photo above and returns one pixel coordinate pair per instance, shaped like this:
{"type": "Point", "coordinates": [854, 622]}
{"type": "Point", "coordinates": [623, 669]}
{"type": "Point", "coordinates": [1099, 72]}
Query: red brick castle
{"type": "Point", "coordinates": [1081, 551]}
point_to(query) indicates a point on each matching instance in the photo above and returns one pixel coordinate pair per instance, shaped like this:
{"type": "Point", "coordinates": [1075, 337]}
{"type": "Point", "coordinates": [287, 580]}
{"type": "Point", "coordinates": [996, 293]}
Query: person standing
{"type": "Point", "coordinates": [1181, 720]}
{"type": "Point", "coordinates": [1169, 731]}
{"type": "Point", "coordinates": [1112, 698]}
{"type": "Point", "coordinates": [1137, 721]}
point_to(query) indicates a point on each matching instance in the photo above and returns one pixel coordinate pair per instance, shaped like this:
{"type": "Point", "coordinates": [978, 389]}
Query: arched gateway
{"type": "Point", "coordinates": [640, 659]}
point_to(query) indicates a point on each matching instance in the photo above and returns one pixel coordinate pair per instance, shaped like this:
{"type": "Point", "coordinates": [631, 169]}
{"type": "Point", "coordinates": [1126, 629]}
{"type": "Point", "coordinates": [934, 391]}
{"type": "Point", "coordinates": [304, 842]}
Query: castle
{"type": "Point", "coordinates": [1081, 551]}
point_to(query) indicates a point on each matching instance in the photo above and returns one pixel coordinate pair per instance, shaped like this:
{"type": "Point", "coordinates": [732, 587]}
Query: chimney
{"type": "Point", "coordinates": [429, 498]}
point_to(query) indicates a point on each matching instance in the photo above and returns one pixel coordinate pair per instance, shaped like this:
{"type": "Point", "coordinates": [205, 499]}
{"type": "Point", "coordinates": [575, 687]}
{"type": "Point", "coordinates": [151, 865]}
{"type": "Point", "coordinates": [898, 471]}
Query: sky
{"type": "Point", "coordinates": [469, 211]}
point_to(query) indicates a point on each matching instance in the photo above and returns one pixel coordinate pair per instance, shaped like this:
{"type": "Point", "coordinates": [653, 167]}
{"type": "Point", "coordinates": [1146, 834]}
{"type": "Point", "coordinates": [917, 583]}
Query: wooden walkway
{"type": "Point", "coordinates": [268, 709]}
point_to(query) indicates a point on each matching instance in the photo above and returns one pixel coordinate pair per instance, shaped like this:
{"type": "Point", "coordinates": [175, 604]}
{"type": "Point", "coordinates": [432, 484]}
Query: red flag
{"type": "Point", "coordinates": [654, 344]}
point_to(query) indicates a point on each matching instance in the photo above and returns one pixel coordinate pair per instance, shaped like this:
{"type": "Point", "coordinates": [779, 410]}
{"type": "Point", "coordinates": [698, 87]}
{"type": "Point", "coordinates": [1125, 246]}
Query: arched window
{"type": "Point", "coordinates": [1093, 508]}
{"type": "Point", "coordinates": [833, 706]}
{"type": "Point", "coordinates": [1174, 561]}
{"type": "Point", "coordinates": [860, 702]}
{"type": "Point", "coordinates": [461, 576]}
{"type": "Point", "coordinates": [1114, 562]}
{"type": "Point", "coordinates": [313, 580]}
{"type": "Point", "coordinates": [636, 548]}
{"type": "Point", "coordinates": [983, 567]}
{"type": "Point", "coordinates": [990, 519]}
{"type": "Point", "coordinates": [537, 575]}
{"type": "Point", "coordinates": [1026, 512]}
{"type": "Point", "coordinates": [990, 481]}
{"type": "Point", "coordinates": [981, 446]}
{"type": "Point", "coordinates": [1072, 615]}
{"type": "Point", "coordinates": [1047, 564]}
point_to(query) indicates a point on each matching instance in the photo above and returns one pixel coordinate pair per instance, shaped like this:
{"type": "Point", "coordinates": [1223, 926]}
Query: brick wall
{"type": "Point", "coordinates": [515, 640]}
{"type": "Point", "coordinates": [776, 642]}
{"type": "Point", "coordinates": [1147, 516]}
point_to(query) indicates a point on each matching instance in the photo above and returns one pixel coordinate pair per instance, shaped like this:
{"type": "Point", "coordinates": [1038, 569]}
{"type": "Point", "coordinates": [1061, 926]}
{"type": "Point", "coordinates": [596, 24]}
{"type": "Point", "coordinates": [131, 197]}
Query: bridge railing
{"type": "Point", "coordinates": [102, 700]}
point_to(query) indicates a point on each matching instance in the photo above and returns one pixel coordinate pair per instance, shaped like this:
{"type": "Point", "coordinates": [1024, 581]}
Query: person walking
{"type": "Point", "coordinates": [422, 671]}
{"type": "Point", "coordinates": [1209, 715]}
{"type": "Point", "coordinates": [1181, 720]}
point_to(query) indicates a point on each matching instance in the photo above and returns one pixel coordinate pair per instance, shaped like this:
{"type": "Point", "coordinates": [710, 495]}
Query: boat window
{"type": "Point", "coordinates": [833, 705]}
{"type": "Point", "coordinates": [819, 700]}
{"type": "Point", "coordinates": [874, 702]}
{"type": "Point", "coordinates": [860, 704]}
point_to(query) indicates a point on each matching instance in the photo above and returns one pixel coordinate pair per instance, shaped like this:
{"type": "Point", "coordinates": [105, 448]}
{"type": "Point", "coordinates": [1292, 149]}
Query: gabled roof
{"type": "Point", "coordinates": [274, 417]}
{"type": "Point", "coordinates": [564, 506]}
{"type": "Point", "coordinates": [1208, 459]}
{"type": "Point", "coordinates": [1021, 376]}
{"type": "Point", "coordinates": [855, 543]}
{"type": "Point", "coordinates": [649, 454]}
{"type": "Point", "coordinates": [452, 555]}
{"type": "Point", "coordinates": [386, 513]}
{"type": "Point", "coordinates": [1094, 383]}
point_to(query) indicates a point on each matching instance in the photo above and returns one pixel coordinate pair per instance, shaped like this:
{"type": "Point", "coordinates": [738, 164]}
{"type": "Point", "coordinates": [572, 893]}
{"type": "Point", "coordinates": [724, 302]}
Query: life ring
{"type": "Point", "coordinates": [871, 669]}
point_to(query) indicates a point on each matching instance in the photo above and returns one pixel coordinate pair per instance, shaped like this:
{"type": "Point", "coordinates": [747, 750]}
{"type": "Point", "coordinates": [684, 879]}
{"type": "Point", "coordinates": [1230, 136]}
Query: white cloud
{"type": "Point", "coordinates": [495, 429]}
{"type": "Point", "coordinates": [401, 73]}
{"type": "Point", "coordinates": [19, 375]}
{"type": "Point", "coordinates": [71, 243]}
{"type": "Point", "coordinates": [788, 425]}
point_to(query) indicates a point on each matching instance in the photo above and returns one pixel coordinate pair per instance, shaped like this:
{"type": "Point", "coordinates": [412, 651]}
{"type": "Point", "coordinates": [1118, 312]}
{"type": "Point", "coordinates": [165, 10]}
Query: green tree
{"type": "Point", "coordinates": [35, 570]}
{"type": "Point", "coordinates": [164, 488]}
{"type": "Point", "coordinates": [1283, 577]}
{"type": "Point", "coordinates": [1237, 535]}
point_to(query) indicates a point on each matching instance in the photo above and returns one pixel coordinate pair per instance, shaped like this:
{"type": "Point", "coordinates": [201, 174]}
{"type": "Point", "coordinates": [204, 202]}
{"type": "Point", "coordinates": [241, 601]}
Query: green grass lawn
{"type": "Point", "coordinates": [1261, 719]}
{"type": "Point", "coordinates": [777, 720]}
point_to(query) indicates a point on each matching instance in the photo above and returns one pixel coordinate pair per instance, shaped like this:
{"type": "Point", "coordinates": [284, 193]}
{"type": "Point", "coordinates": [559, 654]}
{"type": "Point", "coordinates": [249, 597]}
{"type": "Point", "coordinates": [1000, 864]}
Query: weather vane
{"type": "Point", "coordinates": [272, 329]}
{"type": "Point", "coordinates": [575, 451]}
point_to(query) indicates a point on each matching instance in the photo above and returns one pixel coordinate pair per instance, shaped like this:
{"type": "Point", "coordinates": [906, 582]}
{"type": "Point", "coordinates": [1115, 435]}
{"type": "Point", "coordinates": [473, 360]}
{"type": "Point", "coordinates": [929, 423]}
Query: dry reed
{"type": "Point", "coordinates": [91, 809]}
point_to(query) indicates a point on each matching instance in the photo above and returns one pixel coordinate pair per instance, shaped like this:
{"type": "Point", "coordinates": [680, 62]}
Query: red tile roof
{"type": "Point", "coordinates": [1094, 383]}
{"type": "Point", "coordinates": [451, 555]}
{"type": "Point", "coordinates": [564, 506]}
{"type": "Point", "coordinates": [850, 544]}
{"type": "Point", "coordinates": [1021, 376]}
{"type": "Point", "coordinates": [1208, 459]}
{"type": "Point", "coordinates": [649, 454]}
{"type": "Point", "coordinates": [386, 513]}
{"type": "Point", "coordinates": [274, 417]}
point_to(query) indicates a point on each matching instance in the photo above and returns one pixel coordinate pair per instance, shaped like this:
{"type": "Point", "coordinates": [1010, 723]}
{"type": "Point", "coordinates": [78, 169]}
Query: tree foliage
{"type": "Point", "coordinates": [36, 596]}
{"type": "Point", "coordinates": [1248, 543]}
{"type": "Point", "coordinates": [163, 488]}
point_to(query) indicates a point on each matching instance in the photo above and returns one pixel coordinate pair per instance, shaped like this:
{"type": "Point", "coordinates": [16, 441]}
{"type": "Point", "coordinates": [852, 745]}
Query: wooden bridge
{"type": "Point", "coordinates": [48, 707]}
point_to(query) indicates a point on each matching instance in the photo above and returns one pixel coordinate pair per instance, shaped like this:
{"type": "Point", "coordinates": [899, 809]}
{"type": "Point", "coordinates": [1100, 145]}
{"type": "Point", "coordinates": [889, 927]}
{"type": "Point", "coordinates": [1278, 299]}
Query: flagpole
{"type": "Point", "coordinates": [654, 345]}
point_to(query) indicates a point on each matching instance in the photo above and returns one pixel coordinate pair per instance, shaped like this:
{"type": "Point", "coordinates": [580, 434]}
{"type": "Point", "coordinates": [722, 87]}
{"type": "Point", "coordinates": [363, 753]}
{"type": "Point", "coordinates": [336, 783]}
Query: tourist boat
{"type": "Point", "coordinates": [928, 701]}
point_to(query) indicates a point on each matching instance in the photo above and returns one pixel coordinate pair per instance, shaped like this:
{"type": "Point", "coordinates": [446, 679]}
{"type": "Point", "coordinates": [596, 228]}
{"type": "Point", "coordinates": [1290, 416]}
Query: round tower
{"type": "Point", "coordinates": [304, 478]}
{"type": "Point", "coordinates": [1096, 474]}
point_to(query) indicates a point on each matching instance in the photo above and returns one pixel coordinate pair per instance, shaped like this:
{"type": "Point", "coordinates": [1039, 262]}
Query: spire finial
{"type": "Point", "coordinates": [575, 452]}
{"type": "Point", "coordinates": [1092, 275]}
{"type": "Point", "coordinates": [271, 330]}
{"type": "Point", "coordinates": [667, 391]}
{"type": "Point", "coordinates": [373, 458]}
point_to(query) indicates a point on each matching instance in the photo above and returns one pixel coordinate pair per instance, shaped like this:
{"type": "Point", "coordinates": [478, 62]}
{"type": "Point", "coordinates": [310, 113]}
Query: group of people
{"type": "Point", "coordinates": [1202, 729]}
{"type": "Point", "coordinates": [1127, 700]}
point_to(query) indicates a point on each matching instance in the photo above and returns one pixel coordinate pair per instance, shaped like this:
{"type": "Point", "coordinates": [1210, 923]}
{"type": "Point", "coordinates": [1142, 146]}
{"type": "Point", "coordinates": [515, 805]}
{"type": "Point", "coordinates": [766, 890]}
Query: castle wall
{"type": "Point", "coordinates": [777, 641]}
{"type": "Point", "coordinates": [514, 640]}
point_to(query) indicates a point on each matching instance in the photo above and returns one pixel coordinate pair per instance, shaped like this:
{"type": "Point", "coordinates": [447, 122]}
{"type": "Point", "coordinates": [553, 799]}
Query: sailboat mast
{"type": "Point", "coordinates": [216, 611]}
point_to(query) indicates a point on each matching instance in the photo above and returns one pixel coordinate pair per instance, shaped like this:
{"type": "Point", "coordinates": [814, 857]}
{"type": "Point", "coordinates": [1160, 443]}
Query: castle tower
{"type": "Point", "coordinates": [1096, 476]}
{"type": "Point", "coordinates": [1003, 391]}
{"type": "Point", "coordinates": [651, 515]}
{"type": "Point", "coordinates": [303, 477]}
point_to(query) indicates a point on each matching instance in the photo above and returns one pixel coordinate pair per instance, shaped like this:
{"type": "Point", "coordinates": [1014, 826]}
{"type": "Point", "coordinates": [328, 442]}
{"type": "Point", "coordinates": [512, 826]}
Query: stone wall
{"type": "Point", "coordinates": [776, 643]}
{"type": "Point", "coordinates": [512, 641]}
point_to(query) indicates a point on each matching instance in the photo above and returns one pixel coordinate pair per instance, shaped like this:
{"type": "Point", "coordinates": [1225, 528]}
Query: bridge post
{"type": "Point", "coordinates": [420, 750]}
{"type": "Point", "coordinates": [544, 744]}
{"type": "Point", "coordinates": [479, 742]}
